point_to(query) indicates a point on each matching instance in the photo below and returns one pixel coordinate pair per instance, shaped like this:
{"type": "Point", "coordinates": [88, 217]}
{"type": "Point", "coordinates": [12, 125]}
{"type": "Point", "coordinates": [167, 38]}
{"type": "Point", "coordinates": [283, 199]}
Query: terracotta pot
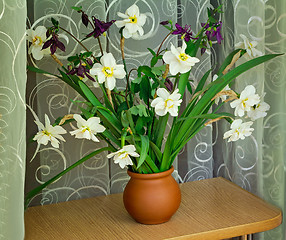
{"type": "Point", "coordinates": [152, 198]}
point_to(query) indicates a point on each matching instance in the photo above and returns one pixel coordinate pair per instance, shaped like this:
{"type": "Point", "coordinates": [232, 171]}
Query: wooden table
{"type": "Point", "coordinates": [210, 209]}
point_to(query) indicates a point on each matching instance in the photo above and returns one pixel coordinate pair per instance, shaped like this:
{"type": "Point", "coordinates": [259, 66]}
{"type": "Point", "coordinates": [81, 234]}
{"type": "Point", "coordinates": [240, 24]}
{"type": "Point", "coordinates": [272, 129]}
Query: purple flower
{"type": "Point", "coordinates": [213, 31]}
{"type": "Point", "coordinates": [81, 70]}
{"type": "Point", "coordinates": [84, 19]}
{"type": "Point", "coordinates": [99, 27]}
{"type": "Point", "coordinates": [164, 23]}
{"type": "Point", "coordinates": [169, 85]}
{"type": "Point", "coordinates": [185, 32]}
{"type": "Point", "coordinates": [53, 43]}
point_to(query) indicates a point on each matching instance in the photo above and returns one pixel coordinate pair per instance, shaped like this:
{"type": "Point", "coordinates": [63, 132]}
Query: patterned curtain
{"type": "Point", "coordinates": [256, 164]}
{"type": "Point", "coordinates": [12, 122]}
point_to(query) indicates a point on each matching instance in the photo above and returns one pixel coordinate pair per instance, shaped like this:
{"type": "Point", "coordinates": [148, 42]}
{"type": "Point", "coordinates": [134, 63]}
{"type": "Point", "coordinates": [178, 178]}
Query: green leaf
{"type": "Point", "coordinates": [158, 70]}
{"type": "Point", "coordinates": [55, 22]}
{"type": "Point", "coordinates": [124, 120]}
{"type": "Point", "coordinates": [140, 110]}
{"type": "Point", "coordinates": [210, 116]}
{"type": "Point", "coordinates": [151, 51]}
{"type": "Point", "coordinates": [144, 150]}
{"type": "Point", "coordinates": [137, 80]}
{"type": "Point", "coordinates": [78, 9]}
{"type": "Point", "coordinates": [189, 87]}
{"type": "Point", "coordinates": [156, 151]}
{"type": "Point", "coordinates": [145, 89]}
{"type": "Point", "coordinates": [202, 81]}
{"type": "Point", "coordinates": [36, 190]}
{"type": "Point", "coordinates": [37, 70]}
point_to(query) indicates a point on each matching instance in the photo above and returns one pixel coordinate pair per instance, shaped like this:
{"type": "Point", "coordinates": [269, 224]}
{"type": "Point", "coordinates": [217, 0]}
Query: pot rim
{"type": "Point", "coordinates": [151, 175]}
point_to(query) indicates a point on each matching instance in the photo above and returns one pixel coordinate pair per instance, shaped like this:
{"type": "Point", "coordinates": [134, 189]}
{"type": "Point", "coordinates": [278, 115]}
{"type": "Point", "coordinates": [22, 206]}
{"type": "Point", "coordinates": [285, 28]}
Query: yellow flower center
{"type": "Point", "coordinates": [166, 103]}
{"type": "Point", "coordinates": [85, 129]}
{"type": "Point", "coordinates": [37, 40]}
{"type": "Point", "coordinates": [133, 19]}
{"type": "Point", "coordinates": [183, 56]}
{"type": "Point", "coordinates": [125, 154]}
{"type": "Point", "coordinates": [108, 72]}
{"type": "Point", "coordinates": [45, 132]}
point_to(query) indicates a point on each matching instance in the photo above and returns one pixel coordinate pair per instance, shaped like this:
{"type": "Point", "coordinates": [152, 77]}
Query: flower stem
{"type": "Point", "coordinates": [79, 42]}
{"type": "Point", "coordinates": [99, 43]}
{"type": "Point", "coordinates": [163, 42]}
{"type": "Point", "coordinates": [122, 41]}
{"type": "Point", "coordinates": [57, 60]}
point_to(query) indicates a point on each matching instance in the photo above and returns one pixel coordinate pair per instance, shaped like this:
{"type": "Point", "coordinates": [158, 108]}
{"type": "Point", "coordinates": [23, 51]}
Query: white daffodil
{"type": "Point", "coordinates": [179, 61]}
{"type": "Point", "coordinates": [108, 71]}
{"type": "Point", "coordinates": [247, 99]}
{"type": "Point", "coordinates": [258, 111]}
{"type": "Point", "coordinates": [122, 156]}
{"type": "Point", "coordinates": [49, 133]}
{"type": "Point", "coordinates": [251, 51]}
{"type": "Point", "coordinates": [238, 130]}
{"type": "Point", "coordinates": [37, 37]}
{"type": "Point", "coordinates": [132, 22]}
{"type": "Point", "coordinates": [166, 102]}
{"type": "Point", "coordinates": [222, 97]}
{"type": "Point", "coordinates": [87, 128]}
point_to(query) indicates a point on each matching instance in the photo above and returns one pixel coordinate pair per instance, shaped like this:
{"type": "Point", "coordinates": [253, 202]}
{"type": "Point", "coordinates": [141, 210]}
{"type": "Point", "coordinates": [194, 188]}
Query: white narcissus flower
{"type": "Point", "coordinates": [122, 156]}
{"type": "Point", "coordinates": [238, 130]}
{"type": "Point", "coordinates": [49, 133]}
{"type": "Point", "coordinates": [251, 51]}
{"type": "Point", "coordinates": [132, 22]}
{"type": "Point", "coordinates": [37, 37]}
{"type": "Point", "coordinates": [179, 61]}
{"type": "Point", "coordinates": [108, 71]}
{"type": "Point", "coordinates": [87, 128]}
{"type": "Point", "coordinates": [258, 111]}
{"type": "Point", "coordinates": [247, 99]}
{"type": "Point", "coordinates": [166, 102]}
{"type": "Point", "coordinates": [222, 97]}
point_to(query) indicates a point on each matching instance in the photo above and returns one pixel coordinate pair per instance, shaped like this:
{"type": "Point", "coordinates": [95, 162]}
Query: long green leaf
{"type": "Point", "coordinates": [144, 150]}
{"type": "Point", "coordinates": [38, 70]}
{"type": "Point", "coordinates": [35, 191]}
{"type": "Point", "coordinates": [156, 151]}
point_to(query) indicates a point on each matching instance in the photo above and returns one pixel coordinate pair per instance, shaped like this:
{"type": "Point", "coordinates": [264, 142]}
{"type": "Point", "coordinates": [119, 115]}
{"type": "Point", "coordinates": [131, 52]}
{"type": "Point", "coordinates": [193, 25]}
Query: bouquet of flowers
{"type": "Point", "coordinates": [133, 121]}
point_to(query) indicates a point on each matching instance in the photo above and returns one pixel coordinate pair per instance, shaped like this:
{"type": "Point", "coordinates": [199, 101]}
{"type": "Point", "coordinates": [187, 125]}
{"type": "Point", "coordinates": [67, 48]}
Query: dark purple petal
{"type": "Point", "coordinates": [187, 37]}
{"type": "Point", "coordinates": [169, 85]}
{"type": "Point", "coordinates": [176, 32]}
{"type": "Point", "coordinates": [47, 44]}
{"type": "Point", "coordinates": [72, 72]}
{"type": "Point", "coordinates": [164, 23]}
{"type": "Point", "coordinates": [53, 48]}
{"type": "Point", "coordinates": [89, 77]}
{"type": "Point", "coordinates": [178, 26]}
{"type": "Point", "coordinates": [84, 19]}
{"type": "Point", "coordinates": [80, 70]}
{"type": "Point", "coordinates": [61, 46]}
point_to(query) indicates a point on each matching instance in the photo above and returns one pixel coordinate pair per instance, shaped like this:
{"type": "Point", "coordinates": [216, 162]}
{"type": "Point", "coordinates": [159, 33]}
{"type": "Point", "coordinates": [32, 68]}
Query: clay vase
{"type": "Point", "coordinates": [152, 198]}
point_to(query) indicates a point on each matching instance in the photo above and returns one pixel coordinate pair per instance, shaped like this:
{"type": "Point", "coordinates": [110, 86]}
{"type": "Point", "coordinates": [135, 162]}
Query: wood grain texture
{"type": "Point", "coordinates": [211, 209]}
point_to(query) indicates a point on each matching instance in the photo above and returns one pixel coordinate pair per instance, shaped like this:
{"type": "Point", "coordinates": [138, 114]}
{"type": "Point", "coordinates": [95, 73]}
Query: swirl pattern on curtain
{"type": "Point", "coordinates": [12, 120]}
{"type": "Point", "coordinates": [256, 164]}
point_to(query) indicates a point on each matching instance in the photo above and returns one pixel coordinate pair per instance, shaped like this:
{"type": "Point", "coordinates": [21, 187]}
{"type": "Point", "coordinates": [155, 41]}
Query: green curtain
{"type": "Point", "coordinates": [12, 118]}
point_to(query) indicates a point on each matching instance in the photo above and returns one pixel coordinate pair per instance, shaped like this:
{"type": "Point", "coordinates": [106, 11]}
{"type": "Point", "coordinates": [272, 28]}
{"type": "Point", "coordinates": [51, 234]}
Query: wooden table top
{"type": "Point", "coordinates": [211, 209]}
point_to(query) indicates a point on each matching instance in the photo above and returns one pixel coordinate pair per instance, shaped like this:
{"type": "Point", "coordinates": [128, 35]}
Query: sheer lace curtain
{"type": "Point", "coordinates": [257, 164]}
{"type": "Point", "coordinates": [12, 123]}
